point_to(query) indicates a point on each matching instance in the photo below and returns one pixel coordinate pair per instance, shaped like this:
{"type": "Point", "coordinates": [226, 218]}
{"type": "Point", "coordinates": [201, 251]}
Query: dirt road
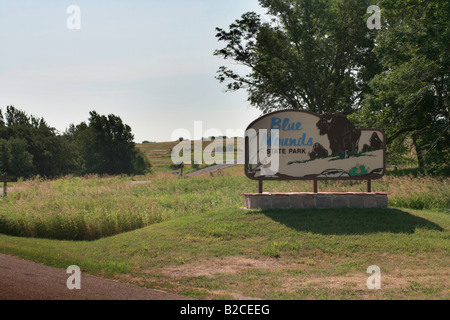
{"type": "Point", "coordinates": [25, 280]}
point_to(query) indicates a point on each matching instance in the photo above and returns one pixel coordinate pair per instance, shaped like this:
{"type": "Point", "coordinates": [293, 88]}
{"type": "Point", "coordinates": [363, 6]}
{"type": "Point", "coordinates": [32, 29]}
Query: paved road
{"type": "Point", "coordinates": [25, 280]}
{"type": "Point", "coordinates": [211, 169]}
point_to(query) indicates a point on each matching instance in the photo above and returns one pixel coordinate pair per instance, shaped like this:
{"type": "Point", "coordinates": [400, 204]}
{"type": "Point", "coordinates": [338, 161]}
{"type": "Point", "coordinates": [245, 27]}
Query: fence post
{"type": "Point", "coordinates": [5, 187]}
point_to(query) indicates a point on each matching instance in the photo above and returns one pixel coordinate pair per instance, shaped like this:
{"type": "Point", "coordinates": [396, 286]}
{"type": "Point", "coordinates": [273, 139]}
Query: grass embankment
{"type": "Point", "coordinates": [189, 236]}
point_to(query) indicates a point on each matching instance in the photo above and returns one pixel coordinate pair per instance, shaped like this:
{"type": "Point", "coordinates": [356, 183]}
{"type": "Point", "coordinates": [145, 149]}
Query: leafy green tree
{"type": "Point", "coordinates": [312, 55]}
{"type": "Point", "coordinates": [29, 146]}
{"type": "Point", "coordinates": [15, 159]}
{"type": "Point", "coordinates": [50, 154]}
{"type": "Point", "coordinates": [410, 97]}
{"type": "Point", "coordinates": [107, 147]}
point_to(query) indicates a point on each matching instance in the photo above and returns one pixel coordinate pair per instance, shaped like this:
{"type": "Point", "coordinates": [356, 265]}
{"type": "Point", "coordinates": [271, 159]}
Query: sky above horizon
{"type": "Point", "coordinates": [149, 62]}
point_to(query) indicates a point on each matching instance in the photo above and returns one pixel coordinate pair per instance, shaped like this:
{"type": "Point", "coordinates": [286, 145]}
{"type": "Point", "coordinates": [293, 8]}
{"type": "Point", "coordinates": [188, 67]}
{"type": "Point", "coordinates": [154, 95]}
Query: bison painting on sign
{"type": "Point", "coordinates": [313, 147]}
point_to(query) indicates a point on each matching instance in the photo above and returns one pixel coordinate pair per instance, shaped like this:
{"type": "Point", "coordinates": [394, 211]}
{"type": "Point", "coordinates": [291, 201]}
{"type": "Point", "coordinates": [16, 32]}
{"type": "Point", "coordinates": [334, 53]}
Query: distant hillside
{"type": "Point", "coordinates": [159, 153]}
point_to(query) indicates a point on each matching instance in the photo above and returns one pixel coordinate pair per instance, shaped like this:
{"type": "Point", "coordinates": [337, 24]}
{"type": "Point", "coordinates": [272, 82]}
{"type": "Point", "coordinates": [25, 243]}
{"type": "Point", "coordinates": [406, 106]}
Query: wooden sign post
{"type": "Point", "coordinates": [5, 179]}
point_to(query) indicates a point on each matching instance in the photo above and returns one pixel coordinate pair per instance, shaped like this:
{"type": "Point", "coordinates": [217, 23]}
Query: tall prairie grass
{"type": "Point", "coordinates": [92, 207]}
{"type": "Point", "coordinates": [422, 192]}
{"type": "Point", "coordinates": [412, 191]}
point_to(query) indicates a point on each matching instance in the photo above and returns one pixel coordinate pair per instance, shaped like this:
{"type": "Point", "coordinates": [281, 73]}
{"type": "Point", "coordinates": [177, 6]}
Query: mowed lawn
{"type": "Point", "coordinates": [190, 236]}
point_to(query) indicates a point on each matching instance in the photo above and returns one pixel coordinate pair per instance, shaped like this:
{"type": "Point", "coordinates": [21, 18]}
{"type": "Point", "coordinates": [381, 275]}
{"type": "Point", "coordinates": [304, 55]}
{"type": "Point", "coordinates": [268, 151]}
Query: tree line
{"type": "Point", "coordinates": [320, 56]}
{"type": "Point", "coordinates": [30, 147]}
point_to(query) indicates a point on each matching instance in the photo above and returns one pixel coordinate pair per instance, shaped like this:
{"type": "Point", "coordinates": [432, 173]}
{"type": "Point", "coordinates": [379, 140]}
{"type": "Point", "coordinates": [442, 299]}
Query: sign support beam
{"type": "Point", "coordinates": [369, 186]}
{"type": "Point", "coordinates": [260, 186]}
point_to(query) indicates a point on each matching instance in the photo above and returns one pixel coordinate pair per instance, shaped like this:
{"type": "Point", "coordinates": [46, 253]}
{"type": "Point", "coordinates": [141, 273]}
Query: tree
{"type": "Point", "coordinates": [313, 55]}
{"type": "Point", "coordinates": [410, 95]}
{"type": "Point", "coordinates": [15, 159]}
{"type": "Point", "coordinates": [29, 146]}
{"type": "Point", "coordinates": [107, 146]}
{"type": "Point", "coordinates": [31, 138]}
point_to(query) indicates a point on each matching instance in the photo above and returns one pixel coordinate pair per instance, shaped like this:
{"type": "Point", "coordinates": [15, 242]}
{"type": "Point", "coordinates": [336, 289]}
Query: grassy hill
{"type": "Point", "coordinates": [159, 153]}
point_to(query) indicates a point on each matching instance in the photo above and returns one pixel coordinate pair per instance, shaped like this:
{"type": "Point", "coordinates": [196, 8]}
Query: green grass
{"type": "Point", "coordinates": [90, 208]}
{"type": "Point", "coordinates": [304, 248]}
{"type": "Point", "coordinates": [189, 236]}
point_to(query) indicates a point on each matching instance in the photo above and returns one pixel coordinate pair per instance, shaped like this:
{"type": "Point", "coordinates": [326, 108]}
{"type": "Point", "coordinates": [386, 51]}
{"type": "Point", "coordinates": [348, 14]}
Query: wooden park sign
{"type": "Point", "coordinates": [5, 179]}
{"type": "Point", "coordinates": [300, 145]}
{"type": "Point", "coordinates": [8, 179]}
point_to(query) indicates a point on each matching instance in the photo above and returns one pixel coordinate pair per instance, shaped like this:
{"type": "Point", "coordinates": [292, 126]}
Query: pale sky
{"type": "Point", "coordinates": [148, 61]}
